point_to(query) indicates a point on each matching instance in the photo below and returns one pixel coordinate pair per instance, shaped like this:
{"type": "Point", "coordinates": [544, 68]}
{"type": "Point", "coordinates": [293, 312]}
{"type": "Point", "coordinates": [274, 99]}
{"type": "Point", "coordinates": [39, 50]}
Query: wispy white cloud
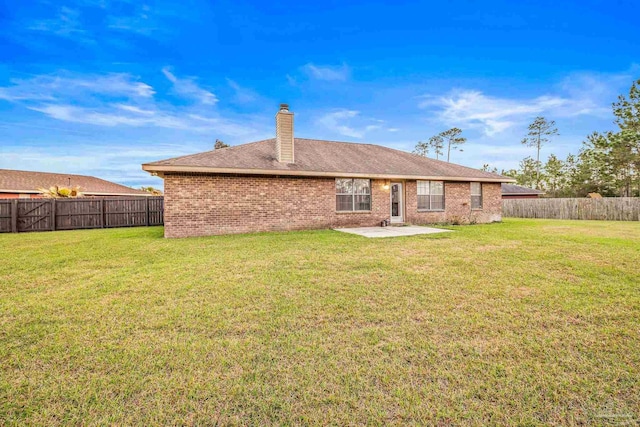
{"type": "Point", "coordinates": [592, 93]}
{"type": "Point", "coordinates": [473, 109]}
{"type": "Point", "coordinates": [142, 21]}
{"type": "Point", "coordinates": [335, 121]}
{"type": "Point", "coordinates": [64, 85]}
{"type": "Point", "coordinates": [130, 116]}
{"type": "Point", "coordinates": [188, 88]}
{"type": "Point", "coordinates": [121, 84]}
{"type": "Point", "coordinates": [134, 24]}
{"type": "Point", "coordinates": [118, 18]}
{"type": "Point", "coordinates": [70, 113]}
{"type": "Point", "coordinates": [15, 93]}
{"type": "Point", "coordinates": [579, 94]}
{"type": "Point", "coordinates": [221, 125]}
{"type": "Point", "coordinates": [66, 23]}
{"type": "Point", "coordinates": [243, 95]}
{"type": "Point", "coordinates": [134, 109]}
{"type": "Point", "coordinates": [596, 86]}
{"type": "Point", "coordinates": [350, 123]}
{"type": "Point", "coordinates": [328, 73]}
{"type": "Point", "coordinates": [114, 100]}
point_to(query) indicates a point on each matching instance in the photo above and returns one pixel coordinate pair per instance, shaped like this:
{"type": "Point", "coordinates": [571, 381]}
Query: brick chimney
{"type": "Point", "coordinates": [284, 134]}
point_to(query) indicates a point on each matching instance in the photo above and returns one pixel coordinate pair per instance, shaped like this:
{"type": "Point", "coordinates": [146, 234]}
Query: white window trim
{"type": "Point", "coordinates": [476, 195]}
{"type": "Point", "coordinates": [444, 202]}
{"type": "Point", "coordinates": [353, 198]}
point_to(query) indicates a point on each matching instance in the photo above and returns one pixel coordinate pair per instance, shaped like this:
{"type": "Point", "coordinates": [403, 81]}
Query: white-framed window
{"type": "Point", "coordinates": [353, 194]}
{"type": "Point", "coordinates": [430, 195]}
{"type": "Point", "coordinates": [476, 195]}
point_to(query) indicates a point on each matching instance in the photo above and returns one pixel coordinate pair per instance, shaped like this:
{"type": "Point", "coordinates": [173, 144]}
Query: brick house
{"type": "Point", "coordinates": [15, 184]}
{"type": "Point", "coordinates": [289, 183]}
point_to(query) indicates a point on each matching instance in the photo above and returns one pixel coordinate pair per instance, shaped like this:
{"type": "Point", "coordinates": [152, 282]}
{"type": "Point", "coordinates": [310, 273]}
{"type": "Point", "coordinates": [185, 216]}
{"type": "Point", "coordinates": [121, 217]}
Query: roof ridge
{"type": "Point", "coordinates": [336, 142]}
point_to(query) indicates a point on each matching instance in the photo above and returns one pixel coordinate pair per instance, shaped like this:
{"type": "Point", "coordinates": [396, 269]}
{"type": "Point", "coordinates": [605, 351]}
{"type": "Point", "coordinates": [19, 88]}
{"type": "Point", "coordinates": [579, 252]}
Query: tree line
{"type": "Point", "coordinates": [607, 163]}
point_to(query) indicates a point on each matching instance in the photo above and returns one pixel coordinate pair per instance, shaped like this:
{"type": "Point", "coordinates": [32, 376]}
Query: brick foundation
{"type": "Point", "coordinates": [200, 204]}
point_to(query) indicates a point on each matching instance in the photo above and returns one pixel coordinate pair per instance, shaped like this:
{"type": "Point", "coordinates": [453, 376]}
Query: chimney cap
{"type": "Point", "coordinates": [284, 107]}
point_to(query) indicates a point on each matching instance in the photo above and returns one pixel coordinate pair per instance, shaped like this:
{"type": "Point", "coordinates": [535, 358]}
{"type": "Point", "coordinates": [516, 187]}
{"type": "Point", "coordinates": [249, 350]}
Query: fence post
{"type": "Point", "coordinates": [147, 210]}
{"type": "Point", "coordinates": [52, 203]}
{"type": "Point", "coordinates": [14, 216]}
{"type": "Point", "coordinates": [101, 213]}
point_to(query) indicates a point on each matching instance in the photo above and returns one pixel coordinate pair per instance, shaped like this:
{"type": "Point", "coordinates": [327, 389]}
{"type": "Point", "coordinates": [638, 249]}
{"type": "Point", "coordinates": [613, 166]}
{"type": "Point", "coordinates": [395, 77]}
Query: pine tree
{"type": "Point", "coordinates": [421, 149]}
{"type": "Point", "coordinates": [437, 143]}
{"type": "Point", "coordinates": [625, 145]}
{"type": "Point", "coordinates": [453, 139]}
{"type": "Point", "coordinates": [554, 175]}
{"type": "Point", "coordinates": [539, 134]}
{"type": "Point", "coordinates": [527, 172]}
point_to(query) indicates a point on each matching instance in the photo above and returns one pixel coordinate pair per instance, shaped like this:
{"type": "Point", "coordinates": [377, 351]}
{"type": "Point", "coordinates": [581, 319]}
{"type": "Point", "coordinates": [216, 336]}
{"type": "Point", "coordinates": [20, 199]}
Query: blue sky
{"type": "Point", "coordinates": [101, 86]}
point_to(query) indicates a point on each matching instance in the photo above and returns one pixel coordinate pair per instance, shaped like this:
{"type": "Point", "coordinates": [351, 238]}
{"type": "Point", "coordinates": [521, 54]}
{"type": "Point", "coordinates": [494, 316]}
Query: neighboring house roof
{"type": "Point", "coordinates": [322, 158]}
{"type": "Point", "coordinates": [13, 181]}
{"type": "Point", "coordinates": [518, 190]}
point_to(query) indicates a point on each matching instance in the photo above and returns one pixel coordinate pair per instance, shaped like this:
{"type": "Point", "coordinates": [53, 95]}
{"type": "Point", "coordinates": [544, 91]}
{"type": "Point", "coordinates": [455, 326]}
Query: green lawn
{"type": "Point", "coordinates": [525, 322]}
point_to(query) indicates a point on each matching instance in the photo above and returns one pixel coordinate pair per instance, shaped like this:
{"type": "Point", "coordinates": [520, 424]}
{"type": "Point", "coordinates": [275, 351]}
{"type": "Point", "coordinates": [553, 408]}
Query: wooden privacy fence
{"type": "Point", "coordinates": [607, 208]}
{"type": "Point", "coordinates": [19, 215]}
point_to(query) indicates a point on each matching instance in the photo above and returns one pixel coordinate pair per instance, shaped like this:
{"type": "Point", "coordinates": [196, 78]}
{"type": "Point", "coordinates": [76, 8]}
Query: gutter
{"type": "Point", "coordinates": [160, 170]}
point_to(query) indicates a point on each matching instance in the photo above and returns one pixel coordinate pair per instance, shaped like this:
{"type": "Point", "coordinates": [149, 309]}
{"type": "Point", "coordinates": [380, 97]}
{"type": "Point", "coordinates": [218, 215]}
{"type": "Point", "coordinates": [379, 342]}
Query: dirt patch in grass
{"type": "Point", "coordinates": [523, 292]}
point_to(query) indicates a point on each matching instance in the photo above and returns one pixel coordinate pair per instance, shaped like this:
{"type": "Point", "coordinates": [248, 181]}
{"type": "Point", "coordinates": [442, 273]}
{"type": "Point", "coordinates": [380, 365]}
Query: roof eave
{"type": "Point", "coordinates": [522, 194]}
{"type": "Point", "coordinates": [160, 170]}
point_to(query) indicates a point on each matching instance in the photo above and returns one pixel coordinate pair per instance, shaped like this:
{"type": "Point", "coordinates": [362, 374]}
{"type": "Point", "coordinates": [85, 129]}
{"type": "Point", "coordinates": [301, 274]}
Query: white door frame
{"type": "Point", "coordinates": [399, 218]}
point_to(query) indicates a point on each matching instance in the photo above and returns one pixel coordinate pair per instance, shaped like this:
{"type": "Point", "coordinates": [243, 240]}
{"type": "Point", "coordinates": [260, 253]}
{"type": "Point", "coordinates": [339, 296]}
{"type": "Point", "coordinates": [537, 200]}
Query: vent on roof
{"type": "Point", "coordinates": [284, 134]}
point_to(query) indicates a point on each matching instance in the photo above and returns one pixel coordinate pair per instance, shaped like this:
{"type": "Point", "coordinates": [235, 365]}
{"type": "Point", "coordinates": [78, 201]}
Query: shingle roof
{"type": "Point", "coordinates": [321, 158]}
{"type": "Point", "coordinates": [29, 182]}
{"type": "Point", "coordinates": [517, 189]}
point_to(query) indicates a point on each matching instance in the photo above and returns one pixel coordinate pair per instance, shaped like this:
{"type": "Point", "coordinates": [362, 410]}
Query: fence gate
{"type": "Point", "coordinates": [20, 215]}
{"type": "Point", "coordinates": [35, 215]}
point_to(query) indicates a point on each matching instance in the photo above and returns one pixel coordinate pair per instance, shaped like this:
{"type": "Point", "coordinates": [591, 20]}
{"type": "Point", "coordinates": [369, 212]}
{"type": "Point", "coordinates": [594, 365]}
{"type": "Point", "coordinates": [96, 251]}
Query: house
{"type": "Point", "coordinates": [512, 191]}
{"type": "Point", "coordinates": [289, 183]}
{"type": "Point", "coordinates": [25, 184]}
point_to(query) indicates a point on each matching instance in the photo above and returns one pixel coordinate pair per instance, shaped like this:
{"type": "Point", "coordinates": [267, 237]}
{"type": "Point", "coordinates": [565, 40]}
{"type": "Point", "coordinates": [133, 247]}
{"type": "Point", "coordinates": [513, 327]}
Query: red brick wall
{"type": "Point", "coordinates": [457, 201]}
{"type": "Point", "coordinates": [199, 204]}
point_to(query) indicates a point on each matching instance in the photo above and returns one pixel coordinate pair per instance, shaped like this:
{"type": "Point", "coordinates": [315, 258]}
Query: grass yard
{"type": "Point", "coordinates": [525, 322]}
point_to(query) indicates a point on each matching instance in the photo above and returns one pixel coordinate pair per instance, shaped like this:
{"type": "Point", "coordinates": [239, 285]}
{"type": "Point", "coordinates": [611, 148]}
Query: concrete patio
{"type": "Point", "coordinates": [391, 231]}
